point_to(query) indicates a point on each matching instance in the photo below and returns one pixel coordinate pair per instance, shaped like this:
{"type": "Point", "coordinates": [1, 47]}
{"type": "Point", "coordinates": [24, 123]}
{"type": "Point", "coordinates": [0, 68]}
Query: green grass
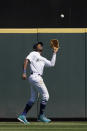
{"type": "Point", "coordinates": [38, 126]}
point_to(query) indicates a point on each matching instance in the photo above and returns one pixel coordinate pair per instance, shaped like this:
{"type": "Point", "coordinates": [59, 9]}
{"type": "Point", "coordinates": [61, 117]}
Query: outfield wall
{"type": "Point", "coordinates": [66, 82]}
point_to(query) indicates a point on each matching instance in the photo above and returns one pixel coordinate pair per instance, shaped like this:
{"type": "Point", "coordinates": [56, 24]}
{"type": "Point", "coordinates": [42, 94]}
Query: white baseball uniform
{"type": "Point", "coordinates": [37, 63]}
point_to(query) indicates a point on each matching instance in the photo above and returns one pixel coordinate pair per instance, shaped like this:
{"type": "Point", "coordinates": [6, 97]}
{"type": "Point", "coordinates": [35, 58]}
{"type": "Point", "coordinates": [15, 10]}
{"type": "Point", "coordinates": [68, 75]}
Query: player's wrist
{"type": "Point", "coordinates": [54, 52]}
{"type": "Point", "coordinates": [24, 71]}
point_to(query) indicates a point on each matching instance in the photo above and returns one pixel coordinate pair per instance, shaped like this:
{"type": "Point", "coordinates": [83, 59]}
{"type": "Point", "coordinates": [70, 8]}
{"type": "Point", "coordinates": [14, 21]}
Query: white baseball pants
{"type": "Point", "coordinates": [37, 84]}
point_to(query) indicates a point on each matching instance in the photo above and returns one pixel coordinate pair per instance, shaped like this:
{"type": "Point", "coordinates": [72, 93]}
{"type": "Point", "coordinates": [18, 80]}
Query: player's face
{"type": "Point", "coordinates": [39, 47]}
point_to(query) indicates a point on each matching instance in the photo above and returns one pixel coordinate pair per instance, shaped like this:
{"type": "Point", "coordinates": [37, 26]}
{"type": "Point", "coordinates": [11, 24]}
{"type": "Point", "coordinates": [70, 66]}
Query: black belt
{"type": "Point", "coordinates": [33, 73]}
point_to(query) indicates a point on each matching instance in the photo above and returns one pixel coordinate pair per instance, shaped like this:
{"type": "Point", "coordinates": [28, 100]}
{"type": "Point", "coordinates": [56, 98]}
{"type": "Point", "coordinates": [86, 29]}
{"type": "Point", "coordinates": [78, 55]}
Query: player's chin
{"type": "Point", "coordinates": [41, 51]}
{"type": "Point", "coordinates": [24, 78]}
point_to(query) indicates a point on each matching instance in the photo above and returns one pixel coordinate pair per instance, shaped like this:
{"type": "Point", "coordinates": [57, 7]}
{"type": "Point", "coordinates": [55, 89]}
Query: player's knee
{"type": "Point", "coordinates": [30, 103]}
{"type": "Point", "coordinates": [46, 98]}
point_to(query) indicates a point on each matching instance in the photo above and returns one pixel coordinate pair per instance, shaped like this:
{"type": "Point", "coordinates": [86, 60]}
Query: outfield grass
{"type": "Point", "coordinates": [38, 126]}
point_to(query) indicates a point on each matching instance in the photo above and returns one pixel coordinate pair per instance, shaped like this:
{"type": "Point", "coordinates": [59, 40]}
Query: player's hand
{"type": "Point", "coordinates": [55, 50]}
{"type": "Point", "coordinates": [24, 76]}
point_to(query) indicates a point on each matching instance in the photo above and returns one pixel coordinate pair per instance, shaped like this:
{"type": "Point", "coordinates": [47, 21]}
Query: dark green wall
{"type": "Point", "coordinates": [65, 82]}
{"type": "Point", "coordinates": [14, 92]}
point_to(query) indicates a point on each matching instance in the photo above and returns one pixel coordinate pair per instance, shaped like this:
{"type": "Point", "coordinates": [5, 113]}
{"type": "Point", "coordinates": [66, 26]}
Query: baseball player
{"type": "Point", "coordinates": [37, 64]}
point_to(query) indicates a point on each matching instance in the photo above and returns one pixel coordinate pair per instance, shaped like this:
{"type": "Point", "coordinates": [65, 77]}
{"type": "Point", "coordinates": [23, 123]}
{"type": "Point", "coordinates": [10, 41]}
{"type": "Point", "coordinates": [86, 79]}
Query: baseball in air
{"type": "Point", "coordinates": [62, 15]}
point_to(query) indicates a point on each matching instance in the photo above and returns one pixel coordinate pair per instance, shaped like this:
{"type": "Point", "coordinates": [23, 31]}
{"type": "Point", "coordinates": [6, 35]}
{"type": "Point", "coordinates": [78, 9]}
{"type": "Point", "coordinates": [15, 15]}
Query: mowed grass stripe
{"type": "Point", "coordinates": [63, 126]}
{"type": "Point", "coordinates": [45, 126]}
{"type": "Point", "coordinates": [42, 124]}
{"type": "Point", "coordinates": [42, 129]}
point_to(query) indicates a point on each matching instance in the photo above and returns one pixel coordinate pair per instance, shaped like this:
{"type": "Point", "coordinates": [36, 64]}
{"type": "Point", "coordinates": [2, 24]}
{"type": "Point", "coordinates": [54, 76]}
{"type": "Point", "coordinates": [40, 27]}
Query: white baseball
{"type": "Point", "coordinates": [62, 15]}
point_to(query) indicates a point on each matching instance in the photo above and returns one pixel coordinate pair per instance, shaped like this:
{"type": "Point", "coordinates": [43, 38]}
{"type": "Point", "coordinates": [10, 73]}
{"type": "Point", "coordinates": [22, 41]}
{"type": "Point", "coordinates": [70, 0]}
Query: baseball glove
{"type": "Point", "coordinates": [54, 43]}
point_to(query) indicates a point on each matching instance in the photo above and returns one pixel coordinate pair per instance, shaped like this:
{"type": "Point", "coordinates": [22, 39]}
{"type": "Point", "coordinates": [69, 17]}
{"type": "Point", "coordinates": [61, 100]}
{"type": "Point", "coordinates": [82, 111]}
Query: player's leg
{"type": "Point", "coordinates": [28, 106]}
{"type": "Point", "coordinates": [30, 102]}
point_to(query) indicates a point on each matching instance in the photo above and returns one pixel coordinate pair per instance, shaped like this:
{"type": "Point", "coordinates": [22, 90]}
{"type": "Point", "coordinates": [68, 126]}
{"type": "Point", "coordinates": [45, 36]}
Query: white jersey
{"type": "Point", "coordinates": [37, 62]}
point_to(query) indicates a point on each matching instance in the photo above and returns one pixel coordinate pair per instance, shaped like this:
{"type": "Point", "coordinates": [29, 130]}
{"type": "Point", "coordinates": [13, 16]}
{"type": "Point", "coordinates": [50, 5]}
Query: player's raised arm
{"type": "Point", "coordinates": [24, 75]}
{"type": "Point", "coordinates": [51, 63]}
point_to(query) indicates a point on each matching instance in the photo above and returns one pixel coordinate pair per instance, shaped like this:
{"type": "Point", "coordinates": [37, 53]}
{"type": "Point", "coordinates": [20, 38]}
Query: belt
{"type": "Point", "coordinates": [36, 73]}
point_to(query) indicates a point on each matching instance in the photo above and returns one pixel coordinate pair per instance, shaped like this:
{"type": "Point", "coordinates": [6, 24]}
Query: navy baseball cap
{"type": "Point", "coordinates": [35, 45]}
